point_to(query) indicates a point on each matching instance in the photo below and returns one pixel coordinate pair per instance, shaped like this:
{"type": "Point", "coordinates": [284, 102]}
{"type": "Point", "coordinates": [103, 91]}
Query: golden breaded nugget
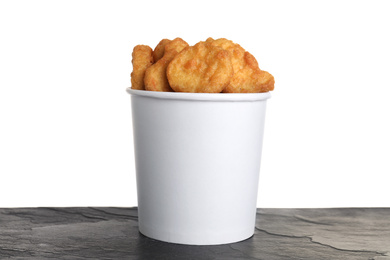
{"type": "Point", "coordinates": [155, 76]}
{"type": "Point", "coordinates": [247, 78]}
{"type": "Point", "coordinates": [250, 79]}
{"type": "Point", "coordinates": [236, 51]}
{"type": "Point", "coordinates": [142, 59]}
{"type": "Point", "coordinates": [158, 52]}
{"type": "Point", "coordinates": [200, 68]}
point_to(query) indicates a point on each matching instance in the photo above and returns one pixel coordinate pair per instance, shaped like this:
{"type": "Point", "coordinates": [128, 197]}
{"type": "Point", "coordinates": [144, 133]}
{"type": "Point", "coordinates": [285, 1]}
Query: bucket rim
{"type": "Point", "coordinates": [200, 96]}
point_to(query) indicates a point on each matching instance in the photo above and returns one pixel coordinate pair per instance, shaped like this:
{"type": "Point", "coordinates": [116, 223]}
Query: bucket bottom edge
{"type": "Point", "coordinates": [197, 239]}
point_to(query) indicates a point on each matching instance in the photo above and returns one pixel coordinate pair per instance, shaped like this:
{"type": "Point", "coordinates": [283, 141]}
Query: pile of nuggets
{"type": "Point", "coordinates": [210, 66]}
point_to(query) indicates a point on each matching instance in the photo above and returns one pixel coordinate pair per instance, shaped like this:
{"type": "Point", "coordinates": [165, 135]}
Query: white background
{"type": "Point", "coordinates": [65, 121]}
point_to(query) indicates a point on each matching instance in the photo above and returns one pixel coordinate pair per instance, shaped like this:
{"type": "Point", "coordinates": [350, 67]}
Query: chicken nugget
{"type": "Point", "coordinates": [158, 52]}
{"type": "Point", "coordinates": [247, 78]}
{"type": "Point", "coordinates": [236, 51]}
{"type": "Point", "coordinates": [155, 76]}
{"type": "Point", "coordinates": [142, 59]}
{"type": "Point", "coordinates": [250, 78]}
{"type": "Point", "coordinates": [200, 68]}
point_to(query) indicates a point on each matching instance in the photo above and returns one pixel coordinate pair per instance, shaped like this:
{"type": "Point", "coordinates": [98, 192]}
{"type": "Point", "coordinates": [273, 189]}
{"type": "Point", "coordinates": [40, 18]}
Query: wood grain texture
{"type": "Point", "coordinates": [112, 233]}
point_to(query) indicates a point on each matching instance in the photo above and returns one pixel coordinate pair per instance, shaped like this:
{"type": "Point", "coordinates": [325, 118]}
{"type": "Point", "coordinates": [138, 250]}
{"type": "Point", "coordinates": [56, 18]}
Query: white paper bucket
{"type": "Point", "coordinates": [197, 159]}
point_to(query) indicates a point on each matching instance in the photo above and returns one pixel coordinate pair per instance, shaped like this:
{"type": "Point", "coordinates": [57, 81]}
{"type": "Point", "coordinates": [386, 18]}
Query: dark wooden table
{"type": "Point", "coordinates": [112, 233]}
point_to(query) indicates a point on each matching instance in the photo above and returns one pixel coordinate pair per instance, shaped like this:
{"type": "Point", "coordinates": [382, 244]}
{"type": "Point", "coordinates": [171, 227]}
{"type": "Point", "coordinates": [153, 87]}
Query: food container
{"type": "Point", "coordinates": [197, 158]}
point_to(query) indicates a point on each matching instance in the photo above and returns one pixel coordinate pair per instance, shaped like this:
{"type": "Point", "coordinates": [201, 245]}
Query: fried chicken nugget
{"type": "Point", "coordinates": [248, 77]}
{"type": "Point", "coordinates": [142, 59]}
{"type": "Point", "coordinates": [155, 76]}
{"type": "Point", "coordinates": [158, 52]}
{"type": "Point", "coordinates": [200, 68]}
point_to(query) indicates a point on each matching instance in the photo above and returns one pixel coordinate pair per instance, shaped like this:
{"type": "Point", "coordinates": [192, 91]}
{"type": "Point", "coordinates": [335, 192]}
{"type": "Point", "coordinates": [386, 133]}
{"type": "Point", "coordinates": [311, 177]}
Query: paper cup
{"type": "Point", "coordinates": [197, 158]}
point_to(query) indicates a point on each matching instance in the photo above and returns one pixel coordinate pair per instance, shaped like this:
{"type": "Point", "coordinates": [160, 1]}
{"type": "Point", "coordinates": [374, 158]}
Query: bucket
{"type": "Point", "coordinates": [197, 158]}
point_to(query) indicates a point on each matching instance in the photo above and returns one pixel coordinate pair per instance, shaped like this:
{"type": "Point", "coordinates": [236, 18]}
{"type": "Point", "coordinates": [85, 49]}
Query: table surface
{"type": "Point", "coordinates": [112, 233]}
